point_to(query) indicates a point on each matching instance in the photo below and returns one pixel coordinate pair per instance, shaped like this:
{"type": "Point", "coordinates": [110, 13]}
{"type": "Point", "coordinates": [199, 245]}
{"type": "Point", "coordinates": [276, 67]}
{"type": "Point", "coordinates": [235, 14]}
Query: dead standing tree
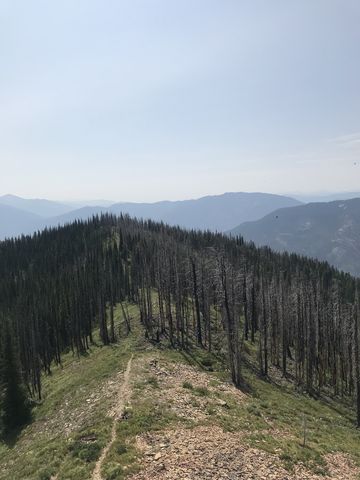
{"type": "Point", "coordinates": [229, 309]}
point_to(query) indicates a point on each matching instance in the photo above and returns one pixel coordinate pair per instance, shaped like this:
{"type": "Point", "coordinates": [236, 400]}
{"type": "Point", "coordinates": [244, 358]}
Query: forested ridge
{"type": "Point", "coordinates": [57, 286]}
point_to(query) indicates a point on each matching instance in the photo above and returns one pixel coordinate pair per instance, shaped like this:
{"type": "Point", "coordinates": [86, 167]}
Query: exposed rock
{"type": "Point", "coordinates": [206, 452]}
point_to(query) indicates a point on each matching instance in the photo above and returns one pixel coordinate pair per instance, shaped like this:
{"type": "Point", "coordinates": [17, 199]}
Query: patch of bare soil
{"type": "Point", "coordinates": [207, 452]}
{"type": "Point", "coordinates": [180, 400]}
{"type": "Point", "coordinates": [342, 467]}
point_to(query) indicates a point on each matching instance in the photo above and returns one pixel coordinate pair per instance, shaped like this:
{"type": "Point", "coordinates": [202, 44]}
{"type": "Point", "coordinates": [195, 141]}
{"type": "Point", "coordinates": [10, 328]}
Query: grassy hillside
{"type": "Point", "coordinates": [183, 417]}
{"type": "Point", "coordinates": [77, 398]}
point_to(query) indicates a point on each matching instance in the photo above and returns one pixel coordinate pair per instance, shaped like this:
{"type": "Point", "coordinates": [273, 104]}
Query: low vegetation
{"type": "Point", "coordinates": [71, 425]}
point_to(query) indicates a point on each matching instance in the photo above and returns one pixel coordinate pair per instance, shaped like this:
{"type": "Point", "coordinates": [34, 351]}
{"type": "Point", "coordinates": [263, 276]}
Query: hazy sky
{"type": "Point", "coordinates": [153, 99]}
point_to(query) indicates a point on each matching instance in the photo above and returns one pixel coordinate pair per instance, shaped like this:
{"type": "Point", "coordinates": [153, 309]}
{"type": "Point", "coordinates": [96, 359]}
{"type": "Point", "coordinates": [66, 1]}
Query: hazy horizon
{"type": "Point", "coordinates": [151, 100]}
{"type": "Point", "coordinates": [318, 196]}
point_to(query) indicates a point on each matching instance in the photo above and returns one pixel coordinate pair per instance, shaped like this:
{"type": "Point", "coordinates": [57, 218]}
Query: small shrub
{"type": "Point", "coordinates": [253, 409]}
{"type": "Point", "coordinates": [121, 449]}
{"type": "Point", "coordinates": [45, 474]}
{"type": "Point", "coordinates": [153, 381]}
{"type": "Point", "coordinates": [89, 452]}
{"type": "Point", "coordinates": [211, 411]}
{"type": "Point", "coordinates": [286, 457]}
{"type": "Point", "coordinates": [202, 391]}
{"type": "Point", "coordinates": [188, 385]}
{"type": "Point", "coordinates": [113, 471]}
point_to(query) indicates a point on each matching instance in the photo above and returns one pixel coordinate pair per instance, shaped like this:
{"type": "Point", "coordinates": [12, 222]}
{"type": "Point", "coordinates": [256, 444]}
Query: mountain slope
{"type": "Point", "coordinates": [83, 213]}
{"type": "Point", "coordinates": [182, 419]}
{"type": "Point", "coordinates": [328, 231]}
{"type": "Point", "coordinates": [217, 212]}
{"type": "Point", "coordinates": [41, 207]}
{"type": "Point", "coordinates": [330, 197]}
{"type": "Point", "coordinates": [202, 304]}
{"type": "Point", "coordinates": [14, 222]}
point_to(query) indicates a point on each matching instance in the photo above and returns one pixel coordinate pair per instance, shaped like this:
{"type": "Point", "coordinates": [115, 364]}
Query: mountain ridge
{"type": "Point", "coordinates": [39, 206]}
{"type": "Point", "coordinates": [213, 212]}
{"type": "Point", "coordinates": [328, 231]}
{"type": "Point", "coordinates": [16, 222]}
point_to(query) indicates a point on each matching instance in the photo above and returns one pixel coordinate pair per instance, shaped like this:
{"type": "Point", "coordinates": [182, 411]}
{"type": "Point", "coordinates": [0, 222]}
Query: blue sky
{"type": "Point", "coordinates": [145, 100]}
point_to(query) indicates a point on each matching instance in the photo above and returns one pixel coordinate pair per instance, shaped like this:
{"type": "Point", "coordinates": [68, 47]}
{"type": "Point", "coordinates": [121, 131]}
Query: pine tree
{"type": "Point", "coordinates": [15, 407]}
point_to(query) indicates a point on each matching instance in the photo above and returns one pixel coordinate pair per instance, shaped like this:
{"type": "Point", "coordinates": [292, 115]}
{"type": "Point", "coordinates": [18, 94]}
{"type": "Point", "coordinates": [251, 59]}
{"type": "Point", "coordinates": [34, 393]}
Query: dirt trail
{"type": "Point", "coordinates": [123, 397]}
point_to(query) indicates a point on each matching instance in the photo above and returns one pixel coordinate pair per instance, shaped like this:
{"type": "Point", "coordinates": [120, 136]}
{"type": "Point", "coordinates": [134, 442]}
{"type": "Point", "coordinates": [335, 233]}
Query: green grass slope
{"type": "Point", "coordinates": [171, 391]}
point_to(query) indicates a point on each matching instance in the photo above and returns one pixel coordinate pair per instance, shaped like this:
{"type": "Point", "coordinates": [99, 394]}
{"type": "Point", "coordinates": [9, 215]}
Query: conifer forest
{"type": "Point", "coordinates": [59, 286]}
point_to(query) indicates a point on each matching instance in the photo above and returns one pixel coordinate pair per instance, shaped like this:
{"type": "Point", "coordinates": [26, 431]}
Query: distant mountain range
{"type": "Point", "coordinates": [326, 197]}
{"type": "Point", "coordinates": [219, 212]}
{"type": "Point", "coordinates": [15, 222]}
{"type": "Point", "coordinates": [327, 231]}
{"type": "Point", "coordinates": [43, 208]}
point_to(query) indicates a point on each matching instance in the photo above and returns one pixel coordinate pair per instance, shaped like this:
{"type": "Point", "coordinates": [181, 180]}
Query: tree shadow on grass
{"type": "Point", "coordinates": [11, 437]}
